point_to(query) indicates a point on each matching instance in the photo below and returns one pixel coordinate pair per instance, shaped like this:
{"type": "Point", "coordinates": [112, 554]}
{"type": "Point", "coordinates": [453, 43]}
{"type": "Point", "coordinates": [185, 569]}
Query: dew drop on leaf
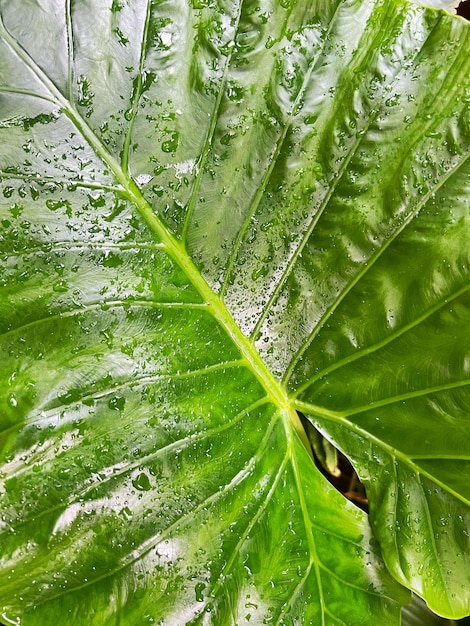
{"type": "Point", "coordinates": [12, 401]}
{"type": "Point", "coordinates": [199, 591]}
{"type": "Point", "coordinates": [171, 144]}
{"type": "Point", "coordinates": [142, 482]}
{"type": "Point", "coordinates": [60, 287]}
{"type": "Point", "coordinates": [126, 513]}
{"type": "Point", "coordinates": [117, 403]}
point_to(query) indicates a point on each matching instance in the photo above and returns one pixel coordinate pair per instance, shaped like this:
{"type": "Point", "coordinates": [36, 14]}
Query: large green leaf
{"type": "Point", "coordinates": [215, 214]}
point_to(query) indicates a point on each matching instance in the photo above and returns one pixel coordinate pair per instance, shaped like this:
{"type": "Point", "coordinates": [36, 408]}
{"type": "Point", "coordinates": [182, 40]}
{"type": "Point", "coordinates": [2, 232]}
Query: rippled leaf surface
{"type": "Point", "coordinates": [214, 214]}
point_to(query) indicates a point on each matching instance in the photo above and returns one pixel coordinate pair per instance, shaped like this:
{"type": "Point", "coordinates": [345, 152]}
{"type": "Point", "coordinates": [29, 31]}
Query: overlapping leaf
{"type": "Point", "coordinates": [212, 215]}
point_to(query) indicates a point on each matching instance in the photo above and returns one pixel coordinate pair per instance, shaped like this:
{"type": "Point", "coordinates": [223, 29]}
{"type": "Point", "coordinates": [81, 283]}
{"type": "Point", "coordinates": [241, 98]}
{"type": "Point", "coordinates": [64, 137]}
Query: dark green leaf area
{"type": "Point", "coordinates": [118, 527]}
{"type": "Point", "coordinates": [119, 348]}
{"type": "Point", "coordinates": [419, 511]}
{"type": "Point", "coordinates": [413, 299]}
{"type": "Point", "coordinates": [401, 377]}
{"type": "Point", "coordinates": [66, 280]}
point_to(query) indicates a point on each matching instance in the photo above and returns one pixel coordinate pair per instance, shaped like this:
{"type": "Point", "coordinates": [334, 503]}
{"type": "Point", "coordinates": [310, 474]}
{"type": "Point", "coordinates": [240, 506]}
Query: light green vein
{"type": "Point", "coordinates": [137, 92]}
{"type": "Point", "coordinates": [121, 469]}
{"type": "Point", "coordinates": [52, 415]}
{"type": "Point", "coordinates": [277, 151]}
{"type": "Point", "coordinates": [92, 247]}
{"type": "Point", "coordinates": [70, 61]}
{"type": "Point", "coordinates": [440, 457]}
{"type": "Point", "coordinates": [210, 134]}
{"type": "Point", "coordinates": [432, 538]}
{"type": "Point", "coordinates": [260, 510]}
{"type": "Point", "coordinates": [25, 92]}
{"type": "Point", "coordinates": [417, 393]}
{"type": "Point", "coordinates": [314, 561]}
{"type": "Point", "coordinates": [33, 178]}
{"type": "Point", "coordinates": [135, 383]}
{"type": "Point", "coordinates": [104, 305]}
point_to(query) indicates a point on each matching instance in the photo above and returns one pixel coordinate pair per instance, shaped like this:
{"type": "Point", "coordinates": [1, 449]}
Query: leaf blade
{"type": "Point", "coordinates": [116, 294]}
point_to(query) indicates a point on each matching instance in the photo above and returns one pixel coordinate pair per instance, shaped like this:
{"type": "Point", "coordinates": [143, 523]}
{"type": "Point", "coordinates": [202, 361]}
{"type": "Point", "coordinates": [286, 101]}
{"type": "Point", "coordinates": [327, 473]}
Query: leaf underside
{"type": "Point", "coordinates": [213, 215]}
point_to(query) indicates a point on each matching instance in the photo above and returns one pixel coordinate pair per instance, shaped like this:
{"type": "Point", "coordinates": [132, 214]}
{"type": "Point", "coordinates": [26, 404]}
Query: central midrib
{"type": "Point", "coordinates": [178, 253]}
{"type": "Point", "coordinates": [176, 250]}
{"type": "Point", "coordinates": [275, 391]}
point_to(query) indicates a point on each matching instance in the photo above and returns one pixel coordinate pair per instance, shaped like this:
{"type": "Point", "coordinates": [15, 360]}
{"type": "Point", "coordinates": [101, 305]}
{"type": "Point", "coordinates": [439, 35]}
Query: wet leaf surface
{"type": "Point", "coordinates": [214, 216]}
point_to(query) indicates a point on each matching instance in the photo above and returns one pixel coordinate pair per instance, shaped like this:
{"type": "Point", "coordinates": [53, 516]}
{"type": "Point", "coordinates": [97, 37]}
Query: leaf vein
{"type": "Point", "coordinates": [70, 49]}
{"type": "Point", "coordinates": [391, 451]}
{"type": "Point", "coordinates": [408, 396]}
{"type": "Point", "coordinates": [277, 151]}
{"type": "Point", "coordinates": [137, 91]}
{"type": "Point", "coordinates": [210, 135]}
{"type": "Point", "coordinates": [427, 515]}
{"type": "Point", "coordinates": [104, 305]}
{"type": "Point", "coordinates": [121, 469]}
{"type": "Point", "coordinates": [26, 92]}
{"type": "Point", "coordinates": [69, 246]}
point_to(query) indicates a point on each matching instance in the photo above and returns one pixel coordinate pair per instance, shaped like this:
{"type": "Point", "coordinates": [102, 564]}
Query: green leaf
{"type": "Point", "coordinates": [213, 215]}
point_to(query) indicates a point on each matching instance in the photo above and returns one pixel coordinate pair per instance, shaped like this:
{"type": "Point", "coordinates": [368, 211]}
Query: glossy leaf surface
{"type": "Point", "coordinates": [213, 215]}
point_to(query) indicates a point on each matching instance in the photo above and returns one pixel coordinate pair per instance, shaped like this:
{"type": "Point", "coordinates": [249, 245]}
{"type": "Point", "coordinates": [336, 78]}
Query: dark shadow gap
{"type": "Point", "coordinates": [463, 9]}
{"type": "Point", "coordinates": [337, 469]}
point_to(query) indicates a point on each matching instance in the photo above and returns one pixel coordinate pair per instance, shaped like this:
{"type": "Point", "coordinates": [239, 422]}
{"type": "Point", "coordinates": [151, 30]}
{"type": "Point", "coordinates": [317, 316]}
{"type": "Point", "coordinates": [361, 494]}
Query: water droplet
{"type": "Point", "coordinates": [199, 591]}
{"type": "Point", "coordinates": [60, 287]}
{"type": "Point", "coordinates": [170, 145]}
{"type": "Point", "coordinates": [117, 403]}
{"type": "Point", "coordinates": [126, 512]}
{"type": "Point", "coordinates": [142, 482]}
{"type": "Point", "coordinates": [12, 401]}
